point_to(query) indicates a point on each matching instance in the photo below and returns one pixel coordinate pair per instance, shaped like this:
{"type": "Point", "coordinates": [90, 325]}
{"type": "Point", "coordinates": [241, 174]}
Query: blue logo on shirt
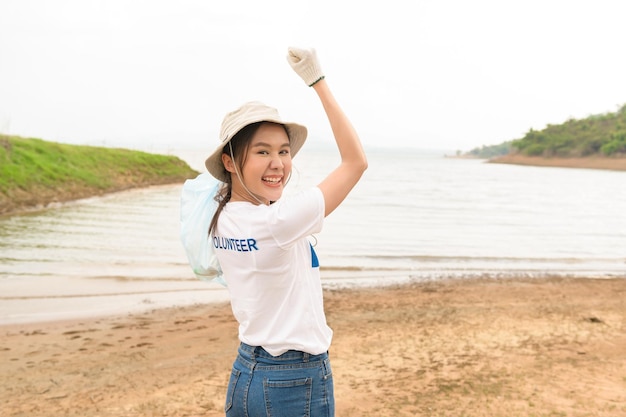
{"type": "Point", "coordinates": [315, 263]}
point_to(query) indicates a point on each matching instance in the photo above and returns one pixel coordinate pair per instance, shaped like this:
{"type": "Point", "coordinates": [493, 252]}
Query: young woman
{"type": "Point", "coordinates": [271, 269]}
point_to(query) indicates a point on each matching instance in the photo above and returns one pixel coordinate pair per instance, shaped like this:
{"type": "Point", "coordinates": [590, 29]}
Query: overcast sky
{"type": "Point", "coordinates": [438, 74]}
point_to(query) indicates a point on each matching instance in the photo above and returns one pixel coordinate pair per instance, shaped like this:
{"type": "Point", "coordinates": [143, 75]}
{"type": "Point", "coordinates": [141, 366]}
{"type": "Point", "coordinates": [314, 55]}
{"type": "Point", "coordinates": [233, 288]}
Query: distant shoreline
{"type": "Point", "coordinates": [45, 199]}
{"type": "Point", "coordinates": [49, 199]}
{"type": "Point", "coordinates": [592, 162]}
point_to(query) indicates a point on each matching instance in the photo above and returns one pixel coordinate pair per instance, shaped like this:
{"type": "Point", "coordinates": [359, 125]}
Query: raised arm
{"type": "Point", "coordinates": [342, 179]}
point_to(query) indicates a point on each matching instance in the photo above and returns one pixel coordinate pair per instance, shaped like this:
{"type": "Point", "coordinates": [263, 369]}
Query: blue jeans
{"type": "Point", "coordinates": [294, 384]}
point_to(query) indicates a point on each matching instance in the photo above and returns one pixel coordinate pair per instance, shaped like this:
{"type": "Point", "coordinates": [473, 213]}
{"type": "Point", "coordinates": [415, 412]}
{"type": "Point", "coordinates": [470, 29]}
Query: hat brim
{"type": "Point", "coordinates": [297, 136]}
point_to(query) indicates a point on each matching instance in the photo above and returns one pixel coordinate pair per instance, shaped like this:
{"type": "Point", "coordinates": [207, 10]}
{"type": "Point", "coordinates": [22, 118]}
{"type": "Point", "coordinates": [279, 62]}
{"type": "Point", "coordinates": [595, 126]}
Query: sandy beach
{"type": "Point", "coordinates": [524, 347]}
{"type": "Point", "coordinates": [590, 162]}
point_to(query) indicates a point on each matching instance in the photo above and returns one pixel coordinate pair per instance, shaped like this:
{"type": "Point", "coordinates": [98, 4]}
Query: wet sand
{"type": "Point", "coordinates": [523, 347]}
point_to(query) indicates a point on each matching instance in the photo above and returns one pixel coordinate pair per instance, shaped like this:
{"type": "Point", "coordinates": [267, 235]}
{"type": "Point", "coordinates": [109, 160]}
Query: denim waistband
{"type": "Point", "coordinates": [256, 354]}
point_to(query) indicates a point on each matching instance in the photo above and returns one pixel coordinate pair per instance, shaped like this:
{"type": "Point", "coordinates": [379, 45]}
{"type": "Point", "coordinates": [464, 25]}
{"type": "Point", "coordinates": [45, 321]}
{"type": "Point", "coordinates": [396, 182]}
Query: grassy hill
{"type": "Point", "coordinates": [35, 173]}
{"type": "Point", "coordinates": [597, 136]}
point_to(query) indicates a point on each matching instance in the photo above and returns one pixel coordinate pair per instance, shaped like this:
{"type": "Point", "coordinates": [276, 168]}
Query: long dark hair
{"type": "Point", "coordinates": [237, 148]}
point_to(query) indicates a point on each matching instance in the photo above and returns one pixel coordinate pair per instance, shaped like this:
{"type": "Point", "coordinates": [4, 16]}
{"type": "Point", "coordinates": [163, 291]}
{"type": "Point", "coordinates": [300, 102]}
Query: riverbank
{"type": "Point", "coordinates": [37, 174]}
{"type": "Point", "coordinates": [615, 164]}
{"type": "Point", "coordinates": [476, 347]}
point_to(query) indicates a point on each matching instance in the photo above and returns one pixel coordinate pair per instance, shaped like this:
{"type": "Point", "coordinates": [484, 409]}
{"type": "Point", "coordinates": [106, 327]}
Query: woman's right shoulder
{"type": "Point", "coordinates": [296, 215]}
{"type": "Point", "coordinates": [305, 195]}
{"type": "Point", "coordinates": [303, 203]}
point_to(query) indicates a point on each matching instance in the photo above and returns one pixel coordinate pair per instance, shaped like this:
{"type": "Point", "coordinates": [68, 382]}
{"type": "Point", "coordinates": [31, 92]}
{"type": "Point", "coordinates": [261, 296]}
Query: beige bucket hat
{"type": "Point", "coordinates": [236, 120]}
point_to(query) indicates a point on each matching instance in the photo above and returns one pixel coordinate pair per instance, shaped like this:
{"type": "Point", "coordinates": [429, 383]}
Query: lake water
{"type": "Point", "coordinates": [414, 216]}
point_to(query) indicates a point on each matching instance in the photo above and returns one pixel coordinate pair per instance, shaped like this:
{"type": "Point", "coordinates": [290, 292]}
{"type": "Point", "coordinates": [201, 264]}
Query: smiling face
{"type": "Point", "coordinates": [265, 167]}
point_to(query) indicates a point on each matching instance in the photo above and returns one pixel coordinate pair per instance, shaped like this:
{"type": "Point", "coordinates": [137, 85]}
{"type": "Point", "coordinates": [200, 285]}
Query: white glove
{"type": "Point", "coordinates": [304, 62]}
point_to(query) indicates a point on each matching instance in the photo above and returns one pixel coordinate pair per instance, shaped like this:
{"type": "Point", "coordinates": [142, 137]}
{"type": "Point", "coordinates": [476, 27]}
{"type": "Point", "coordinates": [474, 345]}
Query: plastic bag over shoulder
{"type": "Point", "coordinates": [197, 207]}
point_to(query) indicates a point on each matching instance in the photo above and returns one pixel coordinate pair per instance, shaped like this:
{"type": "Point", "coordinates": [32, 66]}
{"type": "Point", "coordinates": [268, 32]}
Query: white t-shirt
{"type": "Point", "coordinates": [273, 273]}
